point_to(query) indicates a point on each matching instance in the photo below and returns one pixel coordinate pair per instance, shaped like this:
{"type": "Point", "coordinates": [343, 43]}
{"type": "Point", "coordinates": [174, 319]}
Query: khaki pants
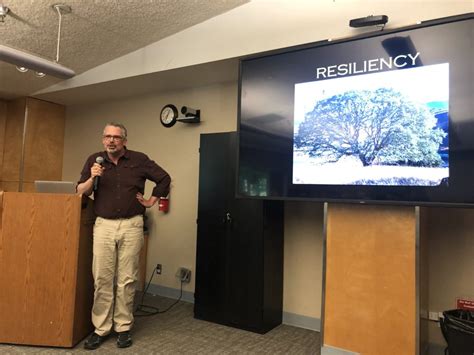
{"type": "Point", "coordinates": [117, 245]}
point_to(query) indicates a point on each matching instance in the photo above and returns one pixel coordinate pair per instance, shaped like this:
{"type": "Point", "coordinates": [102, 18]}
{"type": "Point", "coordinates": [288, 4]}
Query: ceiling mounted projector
{"type": "Point", "coordinates": [369, 21]}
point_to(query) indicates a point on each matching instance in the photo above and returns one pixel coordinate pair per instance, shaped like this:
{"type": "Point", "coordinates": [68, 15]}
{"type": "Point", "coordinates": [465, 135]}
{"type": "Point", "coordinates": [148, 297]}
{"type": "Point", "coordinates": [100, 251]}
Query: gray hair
{"type": "Point", "coordinates": [119, 125]}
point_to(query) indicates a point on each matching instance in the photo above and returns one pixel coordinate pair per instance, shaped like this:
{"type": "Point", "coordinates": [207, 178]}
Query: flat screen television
{"type": "Point", "coordinates": [385, 117]}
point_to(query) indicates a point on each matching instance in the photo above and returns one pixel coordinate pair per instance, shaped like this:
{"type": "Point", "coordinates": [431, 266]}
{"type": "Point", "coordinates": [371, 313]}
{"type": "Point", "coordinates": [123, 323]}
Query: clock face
{"type": "Point", "coordinates": [168, 115]}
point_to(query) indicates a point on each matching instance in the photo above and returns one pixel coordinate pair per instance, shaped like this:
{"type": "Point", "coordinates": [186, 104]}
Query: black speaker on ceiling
{"type": "Point", "coordinates": [372, 20]}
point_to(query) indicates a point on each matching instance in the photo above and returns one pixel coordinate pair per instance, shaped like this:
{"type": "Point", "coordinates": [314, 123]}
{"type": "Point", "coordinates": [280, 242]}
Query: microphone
{"type": "Point", "coordinates": [98, 160]}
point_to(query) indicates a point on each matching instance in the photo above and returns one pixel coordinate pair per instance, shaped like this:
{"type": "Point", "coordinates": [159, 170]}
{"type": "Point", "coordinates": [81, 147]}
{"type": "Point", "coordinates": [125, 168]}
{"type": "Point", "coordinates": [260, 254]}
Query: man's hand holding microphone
{"type": "Point", "coordinates": [92, 183]}
{"type": "Point", "coordinates": [96, 171]}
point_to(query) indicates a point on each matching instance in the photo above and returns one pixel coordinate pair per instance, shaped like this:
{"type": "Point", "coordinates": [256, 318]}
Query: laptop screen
{"type": "Point", "coordinates": [55, 187]}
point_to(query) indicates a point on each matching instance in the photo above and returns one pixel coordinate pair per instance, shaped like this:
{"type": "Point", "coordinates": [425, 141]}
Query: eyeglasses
{"type": "Point", "coordinates": [114, 138]}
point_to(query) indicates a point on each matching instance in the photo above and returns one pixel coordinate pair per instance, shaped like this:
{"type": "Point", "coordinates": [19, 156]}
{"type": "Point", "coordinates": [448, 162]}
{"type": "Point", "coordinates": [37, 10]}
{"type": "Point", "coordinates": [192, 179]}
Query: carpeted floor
{"type": "Point", "coordinates": [177, 332]}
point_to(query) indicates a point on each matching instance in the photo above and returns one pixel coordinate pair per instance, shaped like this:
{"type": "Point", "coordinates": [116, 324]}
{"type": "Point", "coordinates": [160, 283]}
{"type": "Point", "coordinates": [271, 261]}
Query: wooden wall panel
{"type": "Point", "coordinates": [29, 187]}
{"type": "Point", "coordinates": [43, 146]}
{"type": "Point", "coordinates": [14, 186]}
{"type": "Point", "coordinates": [44, 142]}
{"type": "Point", "coordinates": [370, 293]}
{"type": "Point", "coordinates": [13, 140]}
{"type": "Point", "coordinates": [10, 186]}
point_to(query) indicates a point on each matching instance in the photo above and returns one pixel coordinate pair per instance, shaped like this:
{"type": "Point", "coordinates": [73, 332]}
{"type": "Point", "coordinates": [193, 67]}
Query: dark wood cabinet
{"type": "Point", "coordinates": [239, 261]}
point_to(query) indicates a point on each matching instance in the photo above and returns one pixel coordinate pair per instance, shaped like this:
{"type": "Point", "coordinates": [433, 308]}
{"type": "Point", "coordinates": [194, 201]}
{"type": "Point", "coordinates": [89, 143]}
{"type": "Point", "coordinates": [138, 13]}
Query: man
{"type": "Point", "coordinates": [118, 231]}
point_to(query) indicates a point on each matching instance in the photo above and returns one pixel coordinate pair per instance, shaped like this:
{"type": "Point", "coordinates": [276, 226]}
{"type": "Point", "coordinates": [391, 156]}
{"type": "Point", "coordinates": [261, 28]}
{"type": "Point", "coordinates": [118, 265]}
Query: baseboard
{"type": "Point", "coordinates": [292, 319]}
{"type": "Point", "coordinates": [300, 321]}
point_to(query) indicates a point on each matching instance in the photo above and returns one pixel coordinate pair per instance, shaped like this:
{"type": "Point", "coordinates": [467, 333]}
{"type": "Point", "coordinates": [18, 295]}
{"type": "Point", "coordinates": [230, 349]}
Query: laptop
{"type": "Point", "coordinates": [55, 187]}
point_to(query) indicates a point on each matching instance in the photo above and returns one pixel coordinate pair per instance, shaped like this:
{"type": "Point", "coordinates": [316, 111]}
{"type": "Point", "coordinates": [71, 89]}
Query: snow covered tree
{"type": "Point", "coordinates": [379, 127]}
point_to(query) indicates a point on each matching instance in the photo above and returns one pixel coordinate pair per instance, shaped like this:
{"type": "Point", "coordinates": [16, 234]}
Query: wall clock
{"type": "Point", "coordinates": [169, 115]}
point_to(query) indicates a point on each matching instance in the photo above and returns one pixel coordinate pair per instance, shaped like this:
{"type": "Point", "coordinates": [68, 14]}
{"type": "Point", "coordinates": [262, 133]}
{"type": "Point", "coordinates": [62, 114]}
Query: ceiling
{"type": "Point", "coordinates": [95, 32]}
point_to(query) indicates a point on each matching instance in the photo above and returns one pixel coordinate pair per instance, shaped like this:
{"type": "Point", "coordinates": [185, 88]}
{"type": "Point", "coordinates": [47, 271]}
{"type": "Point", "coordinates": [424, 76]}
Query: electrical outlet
{"type": "Point", "coordinates": [184, 275]}
{"type": "Point", "coordinates": [158, 269]}
{"type": "Point", "coordinates": [433, 316]}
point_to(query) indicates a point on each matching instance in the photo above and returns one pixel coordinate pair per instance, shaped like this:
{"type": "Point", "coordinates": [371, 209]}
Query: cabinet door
{"type": "Point", "coordinates": [246, 264]}
{"type": "Point", "coordinates": [216, 186]}
{"type": "Point", "coordinates": [211, 269]}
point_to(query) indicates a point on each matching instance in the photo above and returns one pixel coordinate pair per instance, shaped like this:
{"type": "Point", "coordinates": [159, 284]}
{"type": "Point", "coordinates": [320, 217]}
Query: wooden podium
{"type": "Point", "coordinates": [370, 302]}
{"type": "Point", "coordinates": [45, 262]}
